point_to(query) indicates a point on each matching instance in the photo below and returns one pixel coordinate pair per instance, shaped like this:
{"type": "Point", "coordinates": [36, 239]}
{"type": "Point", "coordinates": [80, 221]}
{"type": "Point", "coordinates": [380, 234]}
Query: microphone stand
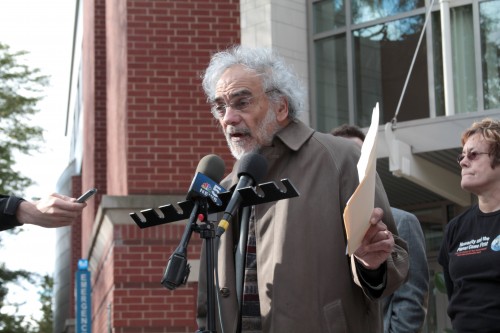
{"type": "Point", "coordinates": [240, 259]}
{"type": "Point", "coordinates": [177, 270]}
{"type": "Point", "coordinates": [207, 232]}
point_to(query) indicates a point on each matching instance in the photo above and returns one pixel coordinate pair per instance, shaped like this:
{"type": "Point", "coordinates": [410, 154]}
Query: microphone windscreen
{"type": "Point", "coordinates": [253, 165]}
{"type": "Point", "coordinates": [212, 166]}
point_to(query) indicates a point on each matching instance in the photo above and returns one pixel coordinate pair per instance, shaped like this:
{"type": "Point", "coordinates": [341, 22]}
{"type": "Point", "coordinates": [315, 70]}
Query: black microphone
{"type": "Point", "coordinates": [208, 173]}
{"type": "Point", "coordinates": [252, 168]}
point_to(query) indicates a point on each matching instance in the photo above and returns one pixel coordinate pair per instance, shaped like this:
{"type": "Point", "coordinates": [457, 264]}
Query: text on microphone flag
{"type": "Point", "coordinates": [206, 187]}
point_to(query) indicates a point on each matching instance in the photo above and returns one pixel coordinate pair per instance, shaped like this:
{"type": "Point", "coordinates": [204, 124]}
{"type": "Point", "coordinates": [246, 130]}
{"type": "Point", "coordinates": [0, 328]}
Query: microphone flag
{"type": "Point", "coordinates": [205, 187]}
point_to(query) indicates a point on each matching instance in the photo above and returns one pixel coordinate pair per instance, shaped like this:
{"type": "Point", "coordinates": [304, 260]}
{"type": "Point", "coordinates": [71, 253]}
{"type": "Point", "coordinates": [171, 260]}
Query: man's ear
{"type": "Point", "coordinates": [282, 111]}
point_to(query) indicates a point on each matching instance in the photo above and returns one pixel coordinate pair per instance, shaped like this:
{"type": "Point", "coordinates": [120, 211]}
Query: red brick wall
{"type": "Point", "coordinates": [170, 126]}
{"type": "Point", "coordinates": [140, 302]}
{"type": "Point", "coordinates": [94, 112]}
{"type": "Point", "coordinates": [100, 116]}
{"type": "Point", "coordinates": [103, 281]}
{"type": "Point", "coordinates": [149, 145]}
{"type": "Point", "coordinates": [76, 241]}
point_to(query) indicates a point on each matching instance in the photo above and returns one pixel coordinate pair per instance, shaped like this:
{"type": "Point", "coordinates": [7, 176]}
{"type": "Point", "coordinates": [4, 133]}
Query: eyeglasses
{"type": "Point", "coordinates": [238, 103]}
{"type": "Point", "coordinates": [471, 155]}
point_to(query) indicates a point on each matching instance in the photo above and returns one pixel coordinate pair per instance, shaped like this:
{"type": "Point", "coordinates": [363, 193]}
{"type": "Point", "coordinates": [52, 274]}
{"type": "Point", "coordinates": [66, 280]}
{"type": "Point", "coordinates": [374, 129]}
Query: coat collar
{"type": "Point", "coordinates": [294, 135]}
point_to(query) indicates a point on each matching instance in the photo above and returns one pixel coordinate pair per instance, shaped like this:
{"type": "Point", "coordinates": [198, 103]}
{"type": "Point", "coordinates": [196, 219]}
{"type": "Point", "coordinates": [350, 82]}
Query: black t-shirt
{"type": "Point", "coordinates": [470, 256]}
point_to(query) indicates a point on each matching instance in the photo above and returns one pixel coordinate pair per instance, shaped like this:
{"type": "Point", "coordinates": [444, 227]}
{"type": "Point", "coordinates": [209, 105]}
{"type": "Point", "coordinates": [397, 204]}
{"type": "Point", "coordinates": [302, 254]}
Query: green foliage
{"type": "Point", "coordinates": [45, 324]}
{"type": "Point", "coordinates": [8, 276]}
{"type": "Point", "coordinates": [20, 91]}
{"type": "Point", "coordinates": [439, 282]}
{"type": "Point", "coordinates": [12, 323]}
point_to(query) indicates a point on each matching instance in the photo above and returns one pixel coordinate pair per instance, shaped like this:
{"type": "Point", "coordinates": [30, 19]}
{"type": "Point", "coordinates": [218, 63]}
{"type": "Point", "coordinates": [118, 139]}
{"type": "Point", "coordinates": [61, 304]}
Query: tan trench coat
{"type": "Point", "coordinates": [305, 280]}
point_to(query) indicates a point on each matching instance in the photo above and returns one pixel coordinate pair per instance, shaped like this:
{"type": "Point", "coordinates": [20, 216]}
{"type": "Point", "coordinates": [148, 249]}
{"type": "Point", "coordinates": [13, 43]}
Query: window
{"type": "Point", "coordinates": [369, 10]}
{"type": "Point", "coordinates": [328, 15]}
{"type": "Point", "coordinates": [332, 107]}
{"type": "Point", "coordinates": [382, 58]}
{"type": "Point", "coordinates": [366, 58]}
{"type": "Point", "coordinates": [490, 52]}
{"type": "Point", "coordinates": [358, 64]}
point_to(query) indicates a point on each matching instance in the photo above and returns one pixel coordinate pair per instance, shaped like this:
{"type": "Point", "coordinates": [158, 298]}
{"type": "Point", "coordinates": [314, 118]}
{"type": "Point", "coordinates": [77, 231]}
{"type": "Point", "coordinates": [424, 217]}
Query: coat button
{"type": "Point", "coordinates": [225, 292]}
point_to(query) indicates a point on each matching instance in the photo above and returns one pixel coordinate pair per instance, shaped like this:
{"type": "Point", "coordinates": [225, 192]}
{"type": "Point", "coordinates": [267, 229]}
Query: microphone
{"type": "Point", "coordinates": [208, 173]}
{"type": "Point", "coordinates": [205, 183]}
{"type": "Point", "coordinates": [252, 168]}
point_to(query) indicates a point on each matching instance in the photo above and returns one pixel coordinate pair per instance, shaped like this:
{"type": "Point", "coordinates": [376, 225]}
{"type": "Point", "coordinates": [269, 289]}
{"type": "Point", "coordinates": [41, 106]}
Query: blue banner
{"type": "Point", "coordinates": [82, 299]}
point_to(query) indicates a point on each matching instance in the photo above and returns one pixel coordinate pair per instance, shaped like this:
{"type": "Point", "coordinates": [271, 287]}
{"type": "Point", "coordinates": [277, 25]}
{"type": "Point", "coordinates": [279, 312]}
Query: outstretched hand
{"type": "Point", "coordinates": [377, 244]}
{"type": "Point", "coordinates": [53, 211]}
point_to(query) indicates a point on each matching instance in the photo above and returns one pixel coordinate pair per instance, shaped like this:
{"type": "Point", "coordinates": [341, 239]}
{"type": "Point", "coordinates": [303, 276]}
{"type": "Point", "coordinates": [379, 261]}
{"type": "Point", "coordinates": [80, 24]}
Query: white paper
{"type": "Point", "coordinates": [360, 206]}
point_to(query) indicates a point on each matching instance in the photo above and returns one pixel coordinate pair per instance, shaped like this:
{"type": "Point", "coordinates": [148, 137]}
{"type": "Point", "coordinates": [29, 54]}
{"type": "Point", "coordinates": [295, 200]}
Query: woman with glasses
{"type": "Point", "coordinates": [470, 252]}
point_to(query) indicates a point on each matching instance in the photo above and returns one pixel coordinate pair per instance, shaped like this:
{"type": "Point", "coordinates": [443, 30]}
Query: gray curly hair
{"type": "Point", "coordinates": [275, 73]}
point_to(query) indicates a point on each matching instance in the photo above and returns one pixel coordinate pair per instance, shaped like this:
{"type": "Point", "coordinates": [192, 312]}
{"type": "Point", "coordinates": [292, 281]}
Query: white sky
{"type": "Point", "coordinates": [45, 30]}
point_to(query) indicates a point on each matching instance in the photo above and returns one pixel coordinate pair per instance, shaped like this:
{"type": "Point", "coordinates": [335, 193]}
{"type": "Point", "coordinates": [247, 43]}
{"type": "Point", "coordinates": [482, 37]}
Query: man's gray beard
{"type": "Point", "coordinates": [268, 125]}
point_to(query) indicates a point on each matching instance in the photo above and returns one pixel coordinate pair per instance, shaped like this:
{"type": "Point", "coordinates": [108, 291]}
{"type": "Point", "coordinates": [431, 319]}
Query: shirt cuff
{"type": "Point", "coordinates": [8, 212]}
{"type": "Point", "coordinates": [374, 279]}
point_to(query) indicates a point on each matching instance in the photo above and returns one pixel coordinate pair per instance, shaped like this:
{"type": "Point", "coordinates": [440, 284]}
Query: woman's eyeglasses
{"type": "Point", "coordinates": [471, 155]}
